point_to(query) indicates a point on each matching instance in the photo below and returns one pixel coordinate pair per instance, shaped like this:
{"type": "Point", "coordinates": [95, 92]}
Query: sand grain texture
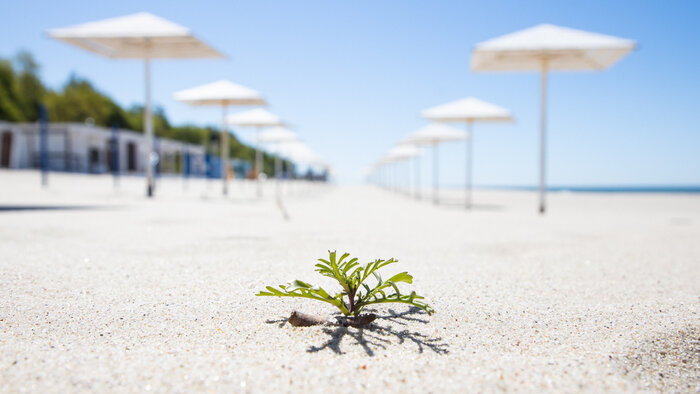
{"type": "Point", "coordinates": [126, 294]}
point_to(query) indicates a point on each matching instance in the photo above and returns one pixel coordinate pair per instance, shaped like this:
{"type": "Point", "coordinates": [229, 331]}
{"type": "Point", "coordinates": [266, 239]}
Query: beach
{"type": "Point", "coordinates": [109, 291]}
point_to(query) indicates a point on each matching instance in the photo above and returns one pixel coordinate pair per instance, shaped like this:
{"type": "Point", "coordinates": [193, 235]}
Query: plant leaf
{"type": "Point", "coordinates": [402, 277]}
{"type": "Point", "coordinates": [338, 269]}
{"type": "Point", "coordinates": [304, 290]}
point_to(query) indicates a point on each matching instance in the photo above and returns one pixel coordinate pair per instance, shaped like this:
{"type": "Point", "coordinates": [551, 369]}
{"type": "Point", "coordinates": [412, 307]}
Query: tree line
{"type": "Point", "coordinates": [22, 93]}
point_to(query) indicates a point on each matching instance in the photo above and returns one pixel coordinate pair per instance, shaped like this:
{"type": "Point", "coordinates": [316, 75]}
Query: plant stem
{"type": "Point", "coordinates": [351, 297]}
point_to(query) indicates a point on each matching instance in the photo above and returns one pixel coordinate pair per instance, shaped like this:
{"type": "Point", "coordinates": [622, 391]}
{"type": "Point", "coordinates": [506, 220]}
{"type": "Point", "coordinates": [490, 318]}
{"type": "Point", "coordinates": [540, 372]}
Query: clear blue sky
{"type": "Point", "coordinates": [353, 76]}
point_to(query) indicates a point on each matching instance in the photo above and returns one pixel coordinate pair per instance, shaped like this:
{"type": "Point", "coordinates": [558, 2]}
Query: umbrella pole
{"type": "Point", "coordinates": [397, 176]}
{"type": "Point", "coordinates": [435, 173]}
{"type": "Point", "coordinates": [389, 179]}
{"type": "Point", "coordinates": [417, 175]}
{"type": "Point", "coordinates": [382, 177]}
{"type": "Point", "coordinates": [114, 160]}
{"type": "Point", "coordinates": [468, 170]}
{"type": "Point", "coordinates": [185, 168]}
{"type": "Point", "coordinates": [398, 173]}
{"type": "Point", "coordinates": [385, 177]}
{"type": "Point", "coordinates": [390, 176]}
{"type": "Point", "coordinates": [409, 167]}
{"type": "Point", "coordinates": [406, 175]}
{"type": "Point", "coordinates": [224, 151]}
{"type": "Point", "coordinates": [44, 146]}
{"type": "Point", "coordinates": [278, 174]}
{"type": "Point", "coordinates": [258, 162]}
{"type": "Point", "coordinates": [148, 124]}
{"type": "Point", "coordinates": [543, 134]}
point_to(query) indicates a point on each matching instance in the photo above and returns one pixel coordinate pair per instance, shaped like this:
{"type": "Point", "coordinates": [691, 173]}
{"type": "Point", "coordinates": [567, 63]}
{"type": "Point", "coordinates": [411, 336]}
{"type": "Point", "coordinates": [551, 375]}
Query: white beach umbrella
{"type": "Point", "coordinates": [257, 118]}
{"type": "Point", "coordinates": [368, 171]}
{"type": "Point", "coordinates": [221, 93]}
{"type": "Point", "coordinates": [278, 136]}
{"type": "Point", "coordinates": [286, 150]}
{"type": "Point", "coordinates": [374, 172]}
{"type": "Point", "coordinates": [400, 153]}
{"type": "Point", "coordinates": [547, 47]}
{"type": "Point", "coordinates": [416, 165]}
{"type": "Point", "coordinates": [381, 167]}
{"type": "Point", "coordinates": [468, 110]}
{"type": "Point", "coordinates": [297, 151]}
{"type": "Point", "coordinates": [138, 36]}
{"type": "Point", "coordinates": [433, 134]}
{"type": "Point", "coordinates": [304, 154]}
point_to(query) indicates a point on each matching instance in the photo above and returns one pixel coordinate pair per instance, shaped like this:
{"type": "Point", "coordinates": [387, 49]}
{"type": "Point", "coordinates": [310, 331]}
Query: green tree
{"type": "Point", "coordinates": [80, 101]}
{"type": "Point", "coordinates": [10, 108]}
{"type": "Point", "coordinates": [31, 90]}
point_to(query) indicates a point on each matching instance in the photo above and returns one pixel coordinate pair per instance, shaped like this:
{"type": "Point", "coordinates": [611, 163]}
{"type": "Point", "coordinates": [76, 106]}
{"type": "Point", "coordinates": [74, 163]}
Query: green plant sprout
{"type": "Point", "coordinates": [352, 276]}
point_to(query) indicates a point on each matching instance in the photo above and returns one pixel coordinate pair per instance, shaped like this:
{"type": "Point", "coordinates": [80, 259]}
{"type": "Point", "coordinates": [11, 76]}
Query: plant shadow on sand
{"type": "Point", "coordinates": [380, 334]}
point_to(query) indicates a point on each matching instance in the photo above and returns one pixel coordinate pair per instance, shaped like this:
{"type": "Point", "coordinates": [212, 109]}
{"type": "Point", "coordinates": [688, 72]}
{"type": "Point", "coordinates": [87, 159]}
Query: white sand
{"type": "Point", "coordinates": [159, 295]}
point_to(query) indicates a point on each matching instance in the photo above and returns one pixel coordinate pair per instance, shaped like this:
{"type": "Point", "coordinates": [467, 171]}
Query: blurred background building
{"type": "Point", "coordinates": [76, 147]}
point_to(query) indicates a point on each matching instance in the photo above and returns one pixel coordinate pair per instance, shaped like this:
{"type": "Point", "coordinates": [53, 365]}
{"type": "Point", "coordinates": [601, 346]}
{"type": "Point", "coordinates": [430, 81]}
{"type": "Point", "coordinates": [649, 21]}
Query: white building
{"type": "Point", "coordinates": [76, 147]}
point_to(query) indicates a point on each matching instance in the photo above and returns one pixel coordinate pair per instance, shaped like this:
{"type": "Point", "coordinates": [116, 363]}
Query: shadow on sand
{"type": "Point", "coordinates": [380, 334]}
{"type": "Point", "coordinates": [12, 208]}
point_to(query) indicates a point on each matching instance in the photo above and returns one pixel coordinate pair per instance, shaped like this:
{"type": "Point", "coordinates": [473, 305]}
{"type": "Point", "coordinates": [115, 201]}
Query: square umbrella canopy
{"type": "Point", "coordinates": [564, 49]}
{"type": "Point", "coordinates": [435, 133]}
{"type": "Point", "coordinates": [468, 110]}
{"type": "Point", "coordinates": [277, 135]}
{"type": "Point", "coordinates": [138, 36]}
{"type": "Point", "coordinates": [224, 93]}
{"type": "Point", "coordinates": [401, 152]}
{"type": "Point", "coordinates": [257, 117]}
{"type": "Point", "coordinates": [221, 92]}
{"type": "Point", "coordinates": [547, 47]}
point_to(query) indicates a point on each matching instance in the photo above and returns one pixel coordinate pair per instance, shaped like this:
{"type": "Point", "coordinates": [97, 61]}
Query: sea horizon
{"type": "Point", "coordinates": [675, 189]}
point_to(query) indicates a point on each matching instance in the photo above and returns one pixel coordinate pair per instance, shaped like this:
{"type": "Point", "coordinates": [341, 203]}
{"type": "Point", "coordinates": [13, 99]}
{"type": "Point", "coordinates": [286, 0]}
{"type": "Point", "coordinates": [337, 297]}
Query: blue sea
{"type": "Point", "coordinates": [693, 189]}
